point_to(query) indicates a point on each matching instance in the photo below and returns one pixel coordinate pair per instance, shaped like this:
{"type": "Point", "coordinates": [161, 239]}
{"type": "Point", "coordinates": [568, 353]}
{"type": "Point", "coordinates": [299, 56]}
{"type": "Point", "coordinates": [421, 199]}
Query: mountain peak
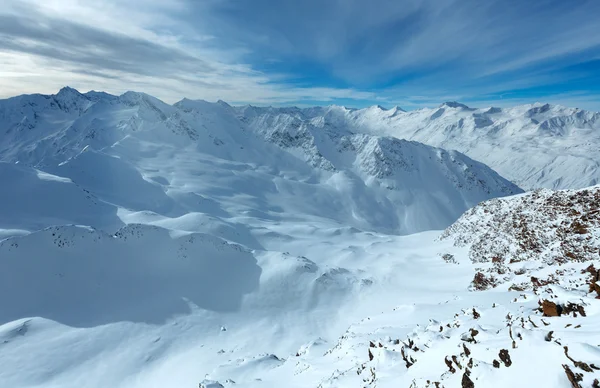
{"type": "Point", "coordinates": [97, 96]}
{"type": "Point", "coordinates": [68, 93]}
{"type": "Point", "coordinates": [70, 100]}
{"type": "Point", "coordinates": [454, 104]}
{"type": "Point", "coordinates": [223, 103]}
{"type": "Point", "coordinates": [66, 90]}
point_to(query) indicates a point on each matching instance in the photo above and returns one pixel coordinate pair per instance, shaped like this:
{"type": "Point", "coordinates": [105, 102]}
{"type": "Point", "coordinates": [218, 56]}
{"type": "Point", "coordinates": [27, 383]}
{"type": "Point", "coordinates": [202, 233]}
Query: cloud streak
{"type": "Point", "coordinates": [260, 51]}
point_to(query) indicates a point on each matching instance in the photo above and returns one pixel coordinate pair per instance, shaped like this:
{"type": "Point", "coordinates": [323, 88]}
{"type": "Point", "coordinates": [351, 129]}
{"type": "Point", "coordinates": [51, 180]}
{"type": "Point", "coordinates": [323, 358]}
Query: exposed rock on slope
{"type": "Point", "coordinates": [508, 236]}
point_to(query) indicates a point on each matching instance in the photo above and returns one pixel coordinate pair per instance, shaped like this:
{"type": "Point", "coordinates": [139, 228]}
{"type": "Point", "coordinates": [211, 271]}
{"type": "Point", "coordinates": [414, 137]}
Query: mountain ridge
{"type": "Point", "coordinates": [564, 140]}
{"type": "Point", "coordinates": [383, 182]}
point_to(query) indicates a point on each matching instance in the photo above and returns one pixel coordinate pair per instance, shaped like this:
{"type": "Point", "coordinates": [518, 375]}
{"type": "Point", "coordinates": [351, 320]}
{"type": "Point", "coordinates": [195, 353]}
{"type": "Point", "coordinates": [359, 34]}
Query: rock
{"type": "Point", "coordinates": [574, 308]}
{"type": "Point", "coordinates": [481, 282]}
{"type": "Point", "coordinates": [550, 309]}
{"type": "Point", "coordinates": [505, 357]}
{"type": "Point", "coordinates": [467, 351]}
{"type": "Point", "coordinates": [574, 378]}
{"type": "Point", "coordinates": [210, 384]}
{"type": "Point", "coordinates": [449, 365]}
{"type": "Point", "coordinates": [466, 380]}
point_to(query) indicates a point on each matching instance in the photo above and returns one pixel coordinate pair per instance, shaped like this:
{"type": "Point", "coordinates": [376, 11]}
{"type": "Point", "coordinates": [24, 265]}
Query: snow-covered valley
{"type": "Point", "coordinates": [144, 244]}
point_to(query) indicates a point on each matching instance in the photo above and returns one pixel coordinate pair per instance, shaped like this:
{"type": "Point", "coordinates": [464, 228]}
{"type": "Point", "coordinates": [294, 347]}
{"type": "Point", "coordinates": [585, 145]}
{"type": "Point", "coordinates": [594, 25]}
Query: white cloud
{"type": "Point", "coordinates": [130, 46]}
{"type": "Point", "coordinates": [211, 49]}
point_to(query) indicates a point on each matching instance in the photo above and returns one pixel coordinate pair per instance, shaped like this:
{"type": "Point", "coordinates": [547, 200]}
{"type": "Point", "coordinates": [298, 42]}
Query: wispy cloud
{"type": "Point", "coordinates": [288, 51]}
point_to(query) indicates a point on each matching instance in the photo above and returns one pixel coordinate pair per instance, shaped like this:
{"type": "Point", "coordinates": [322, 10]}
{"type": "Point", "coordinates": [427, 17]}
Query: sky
{"type": "Point", "coordinates": [410, 53]}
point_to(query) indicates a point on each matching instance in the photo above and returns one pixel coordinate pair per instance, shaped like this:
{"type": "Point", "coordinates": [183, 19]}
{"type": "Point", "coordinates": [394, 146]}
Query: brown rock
{"type": "Point", "coordinates": [455, 359]}
{"type": "Point", "coordinates": [595, 287]}
{"type": "Point", "coordinates": [505, 357]}
{"type": "Point", "coordinates": [574, 378]}
{"type": "Point", "coordinates": [467, 351]}
{"type": "Point", "coordinates": [481, 282]}
{"type": "Point", "coordinates": [578, 364]}
{"type": "Point", "coordinates": [409, 362]}
{"type": "Point", "coordinates": [466, 380]}
{"type": "Point", "coordinates": [449, 365]}
{"type": "Point", "coordinates": [551, 309]}
{"type": "Point", "coordinates": [573, 308]}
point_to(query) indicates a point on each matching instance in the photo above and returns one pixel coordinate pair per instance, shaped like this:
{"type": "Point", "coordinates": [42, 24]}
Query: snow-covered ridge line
{"type": "Point", "coordinates": [534, 145]}
{"type": "Point", "coordinates": [375, 181]}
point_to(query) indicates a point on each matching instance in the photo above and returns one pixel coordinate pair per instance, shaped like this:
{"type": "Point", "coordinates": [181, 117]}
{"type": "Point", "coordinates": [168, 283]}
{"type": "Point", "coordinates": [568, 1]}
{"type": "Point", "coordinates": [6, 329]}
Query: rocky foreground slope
{"type": "Point", "coordinates": [529, 318]}
{"type": "Point", "coordinates": [510, 237]}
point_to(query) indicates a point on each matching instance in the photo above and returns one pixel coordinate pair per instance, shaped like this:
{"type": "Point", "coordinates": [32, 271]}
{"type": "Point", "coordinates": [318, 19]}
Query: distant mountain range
{"type": "Point", "coordinates": [534, 146]}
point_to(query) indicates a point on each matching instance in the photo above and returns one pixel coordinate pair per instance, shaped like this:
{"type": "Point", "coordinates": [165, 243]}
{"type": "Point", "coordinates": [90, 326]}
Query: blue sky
{"type": "Point", "coordinates": [282, 52]}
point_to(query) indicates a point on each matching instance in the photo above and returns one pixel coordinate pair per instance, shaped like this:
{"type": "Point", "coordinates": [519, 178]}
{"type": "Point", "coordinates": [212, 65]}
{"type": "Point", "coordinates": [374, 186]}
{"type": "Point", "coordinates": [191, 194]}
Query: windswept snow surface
{"type": "Point", "coordinates": [189, 244]}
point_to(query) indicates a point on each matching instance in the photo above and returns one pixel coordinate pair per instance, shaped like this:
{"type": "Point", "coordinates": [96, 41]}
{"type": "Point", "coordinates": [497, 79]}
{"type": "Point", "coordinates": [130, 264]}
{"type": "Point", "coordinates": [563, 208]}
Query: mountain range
{"type": "Point", "coordinates": [127, 150]}
{"type": "Point", "coordinates": [144, 244]}
{"type": "Point", "coordinates": [534, 146]}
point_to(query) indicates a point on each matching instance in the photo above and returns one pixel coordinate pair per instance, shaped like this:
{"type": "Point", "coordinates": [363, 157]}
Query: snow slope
{"type": "Point", "coordinates": [32, 199]}
{"type": "Point", "coordinates": [84, 277]}
{"type": "Point", "coordinates": [534, 146]}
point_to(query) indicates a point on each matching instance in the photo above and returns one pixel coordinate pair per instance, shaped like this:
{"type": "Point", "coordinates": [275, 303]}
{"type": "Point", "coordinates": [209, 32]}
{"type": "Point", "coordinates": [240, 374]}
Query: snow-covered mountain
{"type": "Point", "coordinates": [534, 146]}
{"type": "Point", "coordinates": [127, 150]}
{"type": "Point", "coordinates": [198, 244]}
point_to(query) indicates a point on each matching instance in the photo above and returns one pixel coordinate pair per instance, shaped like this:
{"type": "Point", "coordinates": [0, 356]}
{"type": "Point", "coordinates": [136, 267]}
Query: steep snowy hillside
{"type": "Point", "coordinates": [128, 150]}
{"type": "Point", "coordinates": [532, 145]}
